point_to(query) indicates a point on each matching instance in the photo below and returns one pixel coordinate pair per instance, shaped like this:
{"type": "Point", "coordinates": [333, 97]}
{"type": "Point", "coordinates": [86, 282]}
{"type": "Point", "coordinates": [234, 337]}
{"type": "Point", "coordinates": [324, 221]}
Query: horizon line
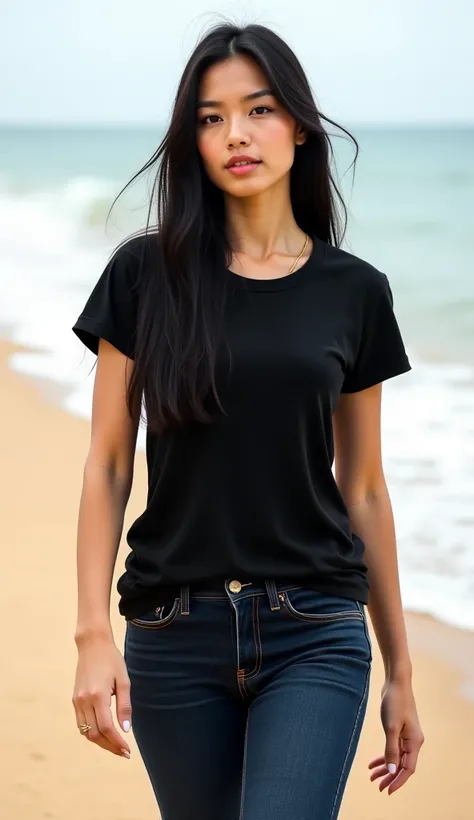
{"type": "Point", "coordinates": [107, 125]}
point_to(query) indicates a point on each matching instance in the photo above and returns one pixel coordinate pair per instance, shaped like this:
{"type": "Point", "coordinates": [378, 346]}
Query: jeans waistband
{"type": "Point", "coordinates": [233, 589]}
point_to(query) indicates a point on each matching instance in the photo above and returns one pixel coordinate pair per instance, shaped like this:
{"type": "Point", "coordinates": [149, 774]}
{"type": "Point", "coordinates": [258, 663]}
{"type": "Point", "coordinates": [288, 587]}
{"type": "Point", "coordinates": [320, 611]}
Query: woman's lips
{"type": "Point", "coordinates": [240, 170]}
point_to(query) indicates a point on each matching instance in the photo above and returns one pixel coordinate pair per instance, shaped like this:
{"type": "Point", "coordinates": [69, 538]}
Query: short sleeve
{"type": "Point", "coordinates": [381, 352]}
{"type": "Point", "coordinates": [110, 311]}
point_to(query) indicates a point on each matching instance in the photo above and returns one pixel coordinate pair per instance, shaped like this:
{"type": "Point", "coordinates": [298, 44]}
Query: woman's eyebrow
{"type": "Point", "coordinates": [265, 92]}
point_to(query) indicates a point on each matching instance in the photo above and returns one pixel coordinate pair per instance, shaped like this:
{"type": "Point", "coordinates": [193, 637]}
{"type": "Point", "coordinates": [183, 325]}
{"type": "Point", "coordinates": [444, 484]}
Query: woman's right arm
{"type": "Point", "coordinates": [107, 482]}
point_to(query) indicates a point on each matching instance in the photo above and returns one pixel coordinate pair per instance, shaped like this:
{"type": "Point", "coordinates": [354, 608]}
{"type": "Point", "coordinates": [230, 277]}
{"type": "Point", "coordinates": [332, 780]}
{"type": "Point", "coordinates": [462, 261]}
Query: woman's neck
{"type": "Point", "coordinates": [263, 225]}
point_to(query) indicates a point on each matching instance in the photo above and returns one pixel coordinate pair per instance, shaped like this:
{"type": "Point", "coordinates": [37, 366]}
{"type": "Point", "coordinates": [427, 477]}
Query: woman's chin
{"type": "Point", "coordinates": [247, 187]}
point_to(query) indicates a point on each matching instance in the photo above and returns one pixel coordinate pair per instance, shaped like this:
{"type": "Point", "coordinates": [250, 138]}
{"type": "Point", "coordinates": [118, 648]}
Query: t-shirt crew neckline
{"type": "Point", "coordinates": [289, 280]}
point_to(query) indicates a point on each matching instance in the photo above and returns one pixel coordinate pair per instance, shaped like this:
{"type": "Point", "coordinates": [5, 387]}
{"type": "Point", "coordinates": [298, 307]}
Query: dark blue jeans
{"type": "Point", "coordinates": [248, 705]}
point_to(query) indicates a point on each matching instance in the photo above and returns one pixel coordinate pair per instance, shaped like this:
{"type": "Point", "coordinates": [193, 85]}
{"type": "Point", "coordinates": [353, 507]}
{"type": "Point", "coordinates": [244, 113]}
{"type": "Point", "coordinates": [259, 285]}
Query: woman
{"type": "Point", "coordinates": [259, 347]}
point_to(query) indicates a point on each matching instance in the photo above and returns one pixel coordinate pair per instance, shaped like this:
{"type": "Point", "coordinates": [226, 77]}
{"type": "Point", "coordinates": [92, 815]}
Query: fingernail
{"type": "Point", "coordinates": [126, 754]}
{"type": "Point", "coordinates": [392, 768]}
{"type": "Point", "coordinates": [126, 726]}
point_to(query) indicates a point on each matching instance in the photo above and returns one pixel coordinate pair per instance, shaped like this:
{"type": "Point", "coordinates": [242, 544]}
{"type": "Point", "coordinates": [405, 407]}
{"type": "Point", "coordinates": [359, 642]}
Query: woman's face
{"type": "Point", "coordinates": [228, 124]}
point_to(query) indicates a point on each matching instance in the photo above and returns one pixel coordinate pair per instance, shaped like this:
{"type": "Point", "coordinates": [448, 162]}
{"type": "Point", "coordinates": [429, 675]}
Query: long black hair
{"type": "Point", "coordinates": [182, 295]}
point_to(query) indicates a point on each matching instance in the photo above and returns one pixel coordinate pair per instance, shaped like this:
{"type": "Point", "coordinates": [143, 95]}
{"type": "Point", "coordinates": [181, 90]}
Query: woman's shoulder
{"type": "Point", "coordinates": [129, 261]}
{"type": "Point", "coordinates": [135, 247]}
{"type": "Point", "coordinates": [361, 271]}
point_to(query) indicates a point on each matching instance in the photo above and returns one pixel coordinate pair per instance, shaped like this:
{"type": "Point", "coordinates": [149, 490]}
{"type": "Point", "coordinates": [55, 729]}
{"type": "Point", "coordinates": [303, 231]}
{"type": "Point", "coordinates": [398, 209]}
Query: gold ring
{"type": "Point", "coordinates": [84, 727]}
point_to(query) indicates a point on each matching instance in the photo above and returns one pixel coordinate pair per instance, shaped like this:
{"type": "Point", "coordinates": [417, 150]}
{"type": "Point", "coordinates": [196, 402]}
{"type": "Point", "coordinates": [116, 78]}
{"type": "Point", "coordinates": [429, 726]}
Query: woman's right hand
{"type": "Point", "coordinates": [101, 672]}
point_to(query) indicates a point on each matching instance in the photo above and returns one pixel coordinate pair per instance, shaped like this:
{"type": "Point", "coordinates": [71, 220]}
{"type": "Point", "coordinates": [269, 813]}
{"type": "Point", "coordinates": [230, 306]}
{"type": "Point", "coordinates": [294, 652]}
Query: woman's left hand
{"type": "Point", "coordinates": [404, 737]}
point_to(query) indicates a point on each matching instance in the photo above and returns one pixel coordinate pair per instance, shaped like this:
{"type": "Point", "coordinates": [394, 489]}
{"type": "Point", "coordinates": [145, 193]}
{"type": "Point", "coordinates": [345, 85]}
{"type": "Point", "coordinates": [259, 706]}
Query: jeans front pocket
{"type": "Point", "coordinates": [306, 604]}
{"type": "Point", "coordinates": [156, 619]}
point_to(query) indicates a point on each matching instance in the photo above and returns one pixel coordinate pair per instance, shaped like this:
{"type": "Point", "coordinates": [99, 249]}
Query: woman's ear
{"type": "Point", "coordinates": [300, 136]}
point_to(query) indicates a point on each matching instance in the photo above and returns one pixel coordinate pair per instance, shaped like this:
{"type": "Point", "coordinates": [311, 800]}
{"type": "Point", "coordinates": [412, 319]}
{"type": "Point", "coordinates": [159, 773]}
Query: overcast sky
{"type": "Point", "coordinates": [119, 61]}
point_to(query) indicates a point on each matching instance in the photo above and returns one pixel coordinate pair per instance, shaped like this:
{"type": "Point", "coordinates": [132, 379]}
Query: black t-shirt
{"type": "Point", "coordinates": [253, 495]}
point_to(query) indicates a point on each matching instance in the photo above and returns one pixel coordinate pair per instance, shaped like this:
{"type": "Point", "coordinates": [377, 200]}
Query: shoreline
{"type": "Point", "coordinates": [50, 770]}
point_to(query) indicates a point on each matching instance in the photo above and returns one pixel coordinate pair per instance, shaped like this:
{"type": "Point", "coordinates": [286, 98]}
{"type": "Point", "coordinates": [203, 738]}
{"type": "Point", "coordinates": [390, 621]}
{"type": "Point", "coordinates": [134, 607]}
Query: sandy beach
{"type": "Point", "coordinates": [48, 769]}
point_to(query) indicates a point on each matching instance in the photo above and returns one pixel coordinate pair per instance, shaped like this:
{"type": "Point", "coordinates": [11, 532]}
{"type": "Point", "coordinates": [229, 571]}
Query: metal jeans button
{"type": "Point", "coordinates": [235, 586]}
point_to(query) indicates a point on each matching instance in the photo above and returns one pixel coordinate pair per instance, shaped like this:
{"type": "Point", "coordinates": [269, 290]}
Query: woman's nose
{"type": "Point", "coordinates": [236, 134]}
{"type": "Point", "coordinates": [241, 141]}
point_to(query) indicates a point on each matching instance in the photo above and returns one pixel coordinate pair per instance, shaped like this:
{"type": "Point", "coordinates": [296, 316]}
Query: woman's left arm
{"type": "Point", "coordinates": [361, 482]}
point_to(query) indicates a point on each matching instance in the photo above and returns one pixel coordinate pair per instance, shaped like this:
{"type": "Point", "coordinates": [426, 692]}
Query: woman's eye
{"type": "Point", "coordinates": [203, 121]}
{"type": "Point", "coordinates": [262, 106]}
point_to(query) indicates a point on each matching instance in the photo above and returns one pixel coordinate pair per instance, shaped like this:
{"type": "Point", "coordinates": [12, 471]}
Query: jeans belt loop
{"type": "Point", "coordinates": [184, 599]}
{"type": "Point", "coordinates": [272, 595]}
